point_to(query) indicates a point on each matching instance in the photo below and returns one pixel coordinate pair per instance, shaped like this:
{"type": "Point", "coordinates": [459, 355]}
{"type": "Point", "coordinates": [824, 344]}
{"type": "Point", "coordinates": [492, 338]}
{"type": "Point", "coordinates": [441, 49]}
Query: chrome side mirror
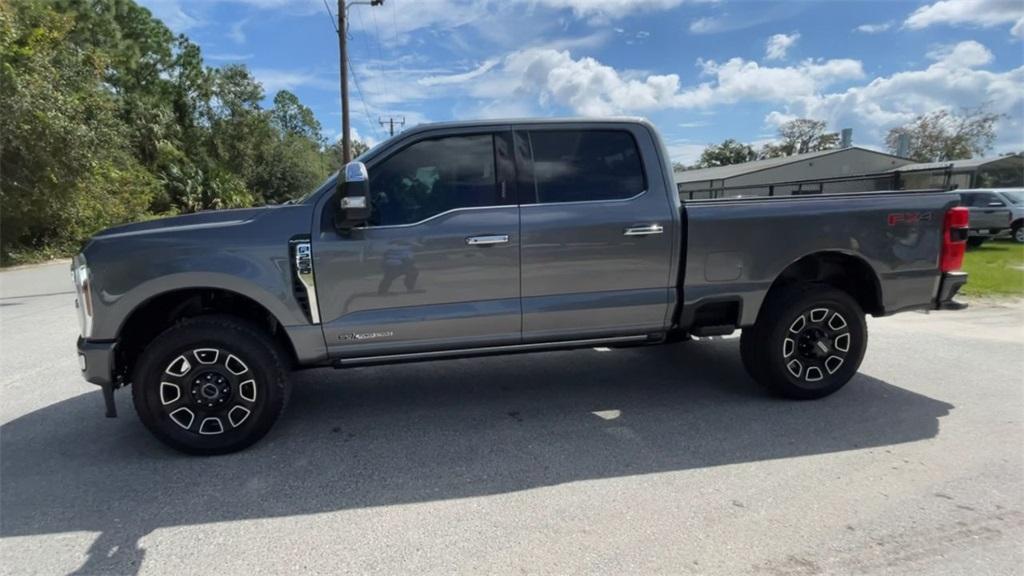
{"type": "Point", "coordinates": [354, 201]}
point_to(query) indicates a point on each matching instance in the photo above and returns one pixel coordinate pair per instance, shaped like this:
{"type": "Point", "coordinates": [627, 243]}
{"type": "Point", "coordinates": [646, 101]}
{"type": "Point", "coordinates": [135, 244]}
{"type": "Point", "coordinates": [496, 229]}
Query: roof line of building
{"type": "Point", "coordinates": [788, 160]}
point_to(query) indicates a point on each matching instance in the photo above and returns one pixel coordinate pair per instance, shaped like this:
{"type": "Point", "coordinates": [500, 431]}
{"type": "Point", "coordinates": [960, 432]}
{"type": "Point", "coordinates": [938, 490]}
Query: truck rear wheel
{"type": "Point", "coordinates": [807, 343]}
{"type": "Point", "coordinates": [210, 385]}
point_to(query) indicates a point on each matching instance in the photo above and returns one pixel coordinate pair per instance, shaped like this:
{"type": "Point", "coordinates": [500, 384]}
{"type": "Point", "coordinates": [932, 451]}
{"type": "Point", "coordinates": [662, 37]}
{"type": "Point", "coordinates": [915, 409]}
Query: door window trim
{"type": "Point", "coordinates": [429, 218]}
{"type": "Point", "coordinates": [575, 202]}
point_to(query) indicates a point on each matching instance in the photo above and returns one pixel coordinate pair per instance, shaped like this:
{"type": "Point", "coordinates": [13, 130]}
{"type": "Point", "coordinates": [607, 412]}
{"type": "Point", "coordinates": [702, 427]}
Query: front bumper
{"type": "Point", "coordinates": [948, 287]}
{"type": "Point", "coordinates": [96, 360]}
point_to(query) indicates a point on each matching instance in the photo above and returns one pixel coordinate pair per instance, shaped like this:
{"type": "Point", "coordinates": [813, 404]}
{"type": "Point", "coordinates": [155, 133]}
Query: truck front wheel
{"type": "Point", "coordinates": [807, 343]}
{"type": "Point", "coordinates": [210, 385]}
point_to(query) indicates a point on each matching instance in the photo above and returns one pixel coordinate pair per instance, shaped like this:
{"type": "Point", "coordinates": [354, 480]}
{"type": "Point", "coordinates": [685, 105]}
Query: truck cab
{"type": "Point", "coordinates": [489, 236]}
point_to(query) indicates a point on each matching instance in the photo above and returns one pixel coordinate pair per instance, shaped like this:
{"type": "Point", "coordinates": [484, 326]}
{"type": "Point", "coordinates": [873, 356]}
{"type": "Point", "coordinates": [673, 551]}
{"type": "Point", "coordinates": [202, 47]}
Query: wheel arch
{"type": "Point", "coordinates": [162, 310]}
{"type": "Point", "coordinates": [842, 270]}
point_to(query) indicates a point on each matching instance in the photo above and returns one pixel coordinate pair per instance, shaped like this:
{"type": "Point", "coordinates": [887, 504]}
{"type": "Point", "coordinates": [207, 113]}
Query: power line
{"type": "Point", "coordinates": [366, 45]}
{"type": "Point", "coordinates": [380, 49]}
{"type": "Point", "coordinates": [359, 91]}
{"type": "Point", "coordinates": [331, 16]}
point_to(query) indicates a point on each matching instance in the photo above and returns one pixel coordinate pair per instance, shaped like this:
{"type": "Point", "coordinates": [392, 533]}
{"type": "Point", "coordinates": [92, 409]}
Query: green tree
{"type": "Point", "coordinates": [943, 135]}
{"type": "Point", "coordinates": [799, 137]}
{"type": "Point", "coordinates": [107, 117]}
{"type": "Point", "coordinates": [67, 164]}
{"type": "Point", "coordinates": [728, 152]}
{"type": "Point", "coordinates": [290, 116]}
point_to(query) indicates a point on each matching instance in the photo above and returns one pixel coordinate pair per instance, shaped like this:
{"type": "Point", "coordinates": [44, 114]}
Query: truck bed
{"type": "Point", "coordinates": [736, 248]}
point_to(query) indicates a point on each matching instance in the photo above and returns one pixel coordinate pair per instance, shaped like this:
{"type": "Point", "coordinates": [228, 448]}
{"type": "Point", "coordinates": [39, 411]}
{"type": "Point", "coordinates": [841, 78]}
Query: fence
{"type": "Point", "coordinates": [843, 184]}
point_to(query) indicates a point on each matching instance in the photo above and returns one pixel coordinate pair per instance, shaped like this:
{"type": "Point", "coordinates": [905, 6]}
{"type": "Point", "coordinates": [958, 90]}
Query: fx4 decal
{"type": "Point", "coordinates": [909, 218]}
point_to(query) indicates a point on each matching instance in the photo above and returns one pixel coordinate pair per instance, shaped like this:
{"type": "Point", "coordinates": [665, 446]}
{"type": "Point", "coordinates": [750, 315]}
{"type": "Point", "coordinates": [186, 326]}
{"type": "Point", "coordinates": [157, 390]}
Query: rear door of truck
{"type": "Point", "coordinates": [989, 212]}
{"type": "Point", "coordinates": [597, 231]}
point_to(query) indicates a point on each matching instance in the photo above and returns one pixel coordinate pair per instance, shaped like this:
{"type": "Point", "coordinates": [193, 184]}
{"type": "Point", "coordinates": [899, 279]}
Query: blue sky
{"type": "Point", "coordinates": [701, 70]}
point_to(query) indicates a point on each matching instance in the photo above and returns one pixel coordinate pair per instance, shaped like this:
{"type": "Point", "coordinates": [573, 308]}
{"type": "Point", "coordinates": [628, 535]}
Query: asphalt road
{"type": "Point", "coordinates": [642, 461]}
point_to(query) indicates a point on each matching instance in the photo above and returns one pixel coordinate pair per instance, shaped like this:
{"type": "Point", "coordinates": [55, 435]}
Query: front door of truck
{"type": "Point", "coordinates": [437, 267]}
{"type": "Point", "coordinates": [598, 232]}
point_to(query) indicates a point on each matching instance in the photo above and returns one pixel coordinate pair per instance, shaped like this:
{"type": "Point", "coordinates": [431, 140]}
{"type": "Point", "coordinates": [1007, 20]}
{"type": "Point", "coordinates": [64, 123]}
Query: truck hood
{"type": "Point", "coordinates": [198, 220]}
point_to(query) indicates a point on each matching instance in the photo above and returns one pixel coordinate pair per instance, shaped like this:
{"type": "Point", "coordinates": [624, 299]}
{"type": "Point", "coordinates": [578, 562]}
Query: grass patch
{"type": "Point", "coordinates": [995, 268]}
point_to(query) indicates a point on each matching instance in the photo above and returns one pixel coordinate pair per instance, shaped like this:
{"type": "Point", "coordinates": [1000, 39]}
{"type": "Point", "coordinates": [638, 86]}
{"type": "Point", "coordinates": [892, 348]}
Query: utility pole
{"type": "Point", "coordinates": [346, 140]}
{"type": "Point", "coordinates": [391, 124]}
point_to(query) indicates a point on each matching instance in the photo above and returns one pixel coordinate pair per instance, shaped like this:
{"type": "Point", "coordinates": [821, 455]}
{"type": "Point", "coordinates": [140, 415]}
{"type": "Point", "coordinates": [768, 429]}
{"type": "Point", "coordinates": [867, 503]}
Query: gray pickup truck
{"type": "Point", "coordinates": [473, 238]}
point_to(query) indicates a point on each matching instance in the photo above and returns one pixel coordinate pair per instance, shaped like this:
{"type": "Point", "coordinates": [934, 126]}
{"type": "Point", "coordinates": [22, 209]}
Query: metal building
{"type": "Point", "coordinates": [1003, 172]}
{"type": "Point", "coordinates": [850, 169]}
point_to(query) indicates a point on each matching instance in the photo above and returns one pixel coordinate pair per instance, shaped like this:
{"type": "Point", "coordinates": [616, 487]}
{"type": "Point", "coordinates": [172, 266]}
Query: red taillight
{"type": "Point", "coordinates": [954, 239]}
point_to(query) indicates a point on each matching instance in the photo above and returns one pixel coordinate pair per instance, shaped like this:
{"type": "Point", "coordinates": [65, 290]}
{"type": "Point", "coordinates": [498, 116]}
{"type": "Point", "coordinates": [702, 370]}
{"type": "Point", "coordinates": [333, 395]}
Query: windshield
{"type": "Point", "coordinates": [1015, 197]}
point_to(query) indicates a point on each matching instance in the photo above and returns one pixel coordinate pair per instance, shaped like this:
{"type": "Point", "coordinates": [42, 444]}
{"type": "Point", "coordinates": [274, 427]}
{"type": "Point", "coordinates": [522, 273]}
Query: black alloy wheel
{"type": "Point", "coordinates": [808, 341]}
{"type": "Point", "coordinates": [210, 385]}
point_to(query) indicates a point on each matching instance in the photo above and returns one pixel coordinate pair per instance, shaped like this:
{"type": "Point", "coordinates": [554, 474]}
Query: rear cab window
{"type": "Point", "coordinates": [579, 165]}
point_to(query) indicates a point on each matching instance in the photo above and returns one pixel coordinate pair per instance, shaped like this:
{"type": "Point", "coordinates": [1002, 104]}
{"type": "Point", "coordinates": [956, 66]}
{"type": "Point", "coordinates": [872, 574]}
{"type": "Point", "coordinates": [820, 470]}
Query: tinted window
{"type": "Point", "coordinates": [1015, 198]}
{"type": "Point", "coordinates": [433, 176]}
{"type": "Point", "coordinates": [991, 199]}
{"type": "Point", "coordinates": [981, 199]}
{"type": "Point", "coordinates": [974, 199]}
{"type": "Point", "coordinates": [580, 165]}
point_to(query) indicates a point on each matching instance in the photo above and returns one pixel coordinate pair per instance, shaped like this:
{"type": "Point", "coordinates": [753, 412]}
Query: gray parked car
{"type": "Point", "coordinates": [991, 214]}
{"type": "Point", "coordinates": [1014, 198]}
{"type": "Point", "coordinates": [495, 237]}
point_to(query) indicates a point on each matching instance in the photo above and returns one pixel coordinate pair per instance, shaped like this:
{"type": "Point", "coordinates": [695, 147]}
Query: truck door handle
{"type": "Point", "coordinates": [645, 230]}
{"type": "Point", "coordinates": [487, 240]}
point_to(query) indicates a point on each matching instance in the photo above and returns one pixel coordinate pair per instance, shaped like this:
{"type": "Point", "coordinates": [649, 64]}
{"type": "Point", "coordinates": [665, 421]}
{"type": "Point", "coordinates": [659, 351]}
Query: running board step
{"type": "Point", "coordinates": [496, 350]}
{"type": "Point", "coordinates": [719, 330]}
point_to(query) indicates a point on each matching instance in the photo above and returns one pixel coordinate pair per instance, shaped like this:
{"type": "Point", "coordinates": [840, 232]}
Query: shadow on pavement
{"type": "Point", "coordinates": [423, 432]}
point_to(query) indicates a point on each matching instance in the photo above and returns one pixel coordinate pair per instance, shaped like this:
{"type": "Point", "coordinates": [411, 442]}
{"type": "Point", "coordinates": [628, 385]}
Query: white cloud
{"type": "Point", "coordinates": [554, 79]}
{"type": "Point", "coordinates": [354, 134]}
{"type": "Point", "coordinates": [778, 45]}
{"type": "Point", "coordinates": [539, 81]}
{"type": "Point", "coordinates": [738, 79]}
{"type": "Point", "coordinates": [969, 54]}
{"type": "Point", "coordinates": [237, 31]}
{"type": "Point", "coordinates": [684, 151]}
{"type": "Point", "coordinates": [610, 8]}
{"type": "Point", "coordinates": [275, 79]}
{"type": "Point", "coordinates": [707, 25]}
{"type": "Point", "coordinates": [955, 80]}
{"type": "Point", "coordinates": [983, 13]}
{"type": "Point", "coordinates": [173, 15]}
{"type": "Point", "coordinates": [875, 28]}
{"type": "Point", "coordinates": [584, 85]}
{"type": "Point", "coordinates": [459, 78]}
{"type": "Point", "coordinates": [227, 56]}
{"type": "Point", "coordinates": [776, 118]}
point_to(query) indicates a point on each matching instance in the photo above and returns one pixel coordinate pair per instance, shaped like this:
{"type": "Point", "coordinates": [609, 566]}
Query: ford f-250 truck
{"type": "Point", "coordinates": [476, 238]}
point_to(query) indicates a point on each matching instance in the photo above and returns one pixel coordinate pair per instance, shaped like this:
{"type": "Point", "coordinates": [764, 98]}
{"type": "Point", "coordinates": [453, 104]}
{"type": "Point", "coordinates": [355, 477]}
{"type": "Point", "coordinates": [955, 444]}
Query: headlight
{"type": "Point", "coordinates": [83, 294]}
